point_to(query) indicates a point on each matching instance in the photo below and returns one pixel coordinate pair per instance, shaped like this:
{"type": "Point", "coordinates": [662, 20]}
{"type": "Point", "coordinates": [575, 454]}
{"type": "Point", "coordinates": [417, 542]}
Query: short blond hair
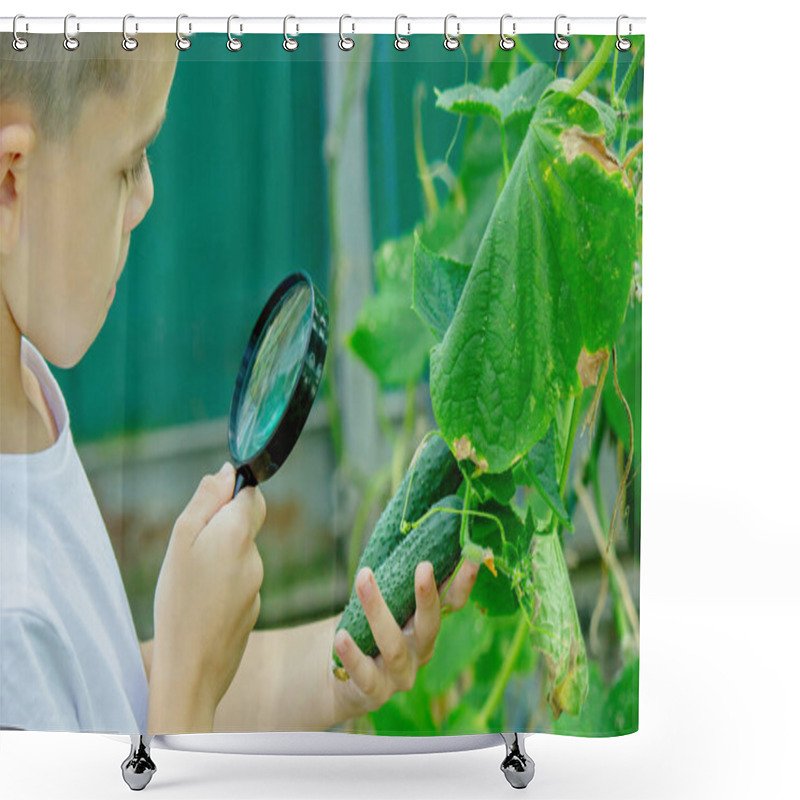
{"type": "Point", "coordinates": [55, 82]}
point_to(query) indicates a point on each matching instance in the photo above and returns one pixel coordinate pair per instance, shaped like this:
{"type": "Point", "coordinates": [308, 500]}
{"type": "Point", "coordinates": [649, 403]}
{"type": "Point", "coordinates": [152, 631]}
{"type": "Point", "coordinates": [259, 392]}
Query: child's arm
{"type": "Point", "coordinates": [285, 681]}
{"type": "Point", "coordinates": [147, 656]}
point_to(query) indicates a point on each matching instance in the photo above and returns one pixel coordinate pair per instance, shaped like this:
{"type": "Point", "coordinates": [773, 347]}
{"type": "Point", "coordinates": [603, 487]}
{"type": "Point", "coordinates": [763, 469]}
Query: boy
{"type": "Point", "coordinates": [74, 183]}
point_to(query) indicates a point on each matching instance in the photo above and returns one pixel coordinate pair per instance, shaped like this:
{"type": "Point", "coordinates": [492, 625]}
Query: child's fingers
{"type": "Point", "coordinates": [212, 493]}
{"type": "Point", "coordinates": [459, 590]}
{"type": "Point", "coordinates": [362, 669]}
{"type": "Point", "coordinates": [427, 617]}
{"type": "Point", "coordinates": [238, 522]}
{"type": "Point", "coordinates": [387, 633]}
{"type": "Point", "coordinates": [253, 508]}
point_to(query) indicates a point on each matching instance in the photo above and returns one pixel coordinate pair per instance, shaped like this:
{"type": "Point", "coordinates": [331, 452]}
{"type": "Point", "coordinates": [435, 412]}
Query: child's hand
{"type": "Point", "coordinates": [374, 680]}
{"type": "Point", "coordinates": [208, 594]}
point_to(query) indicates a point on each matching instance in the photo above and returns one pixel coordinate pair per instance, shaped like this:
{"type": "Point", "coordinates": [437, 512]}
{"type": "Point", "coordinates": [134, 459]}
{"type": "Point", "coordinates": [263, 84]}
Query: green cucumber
{"type": "Point", "coordinates": [437, 539]}
{"type": "Point", "coordinates": [436, 474]}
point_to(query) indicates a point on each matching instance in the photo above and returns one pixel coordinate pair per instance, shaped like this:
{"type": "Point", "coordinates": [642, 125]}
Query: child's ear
{"type": "Point", "coordinates": [17, 141]}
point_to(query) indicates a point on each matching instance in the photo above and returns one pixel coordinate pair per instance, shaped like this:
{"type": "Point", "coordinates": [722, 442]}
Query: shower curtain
{"type": "Point", "coordinates": [473, 217]}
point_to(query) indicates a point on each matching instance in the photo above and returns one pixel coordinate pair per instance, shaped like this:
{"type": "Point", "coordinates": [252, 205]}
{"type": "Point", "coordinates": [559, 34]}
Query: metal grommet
{"type": "Point", "coordinates": [182, 43]}
{"type": "Point", "coordinates": [345, 43]}
{"type": "Point", "coordinates": [70, 43]}
{"type": "Point", "coordinates": [18, 44]}
{"type": "Point", "coordinates": [561, 43]}
{"type": "Point", "coordinates": [289, 43]}
{"type": "Point", "coordinates": [128, 42]}
{"type": "Point", "coordinates": [234, 44]}
{"type": "Point", "coordinates": [400, 42]}
{"type": "Point", "coordinates": [507, 43]}
{"type": "Point", "coordinates": [623, 44]}
{"type": "Point", "coordinates": [450, 42]}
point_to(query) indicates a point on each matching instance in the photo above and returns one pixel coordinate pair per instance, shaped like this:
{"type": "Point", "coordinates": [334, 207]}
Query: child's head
{"type": "Point", "coordinates": [74, 178]}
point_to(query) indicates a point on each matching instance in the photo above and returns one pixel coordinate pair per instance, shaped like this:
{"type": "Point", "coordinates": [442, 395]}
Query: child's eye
{"type": "Point", "coordinates": [135, 174]}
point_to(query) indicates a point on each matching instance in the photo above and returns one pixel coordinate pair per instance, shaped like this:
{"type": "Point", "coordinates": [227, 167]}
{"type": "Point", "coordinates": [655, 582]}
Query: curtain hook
{"type": "Point", "coordinates": [70, 43]}
{"type": "Point", "coordinates": [182, 43]}
{"type": "Point", "coordinates": [451, 42]}
{"type": "Point", "coordinates": [345, 43]}
{"type": "Point", "coordinates": [18, 44]}
{"type": "Point", "coordinates": [289, 44]}
{"type": "Point", "coordinates": [234, 44]}
{"type": "Point", "coordinates": [561, 43]}
{"type": "Point", "coordinates": [400, 42]}
{"type": "Point", "coordinates": [506, 43]}
{"type": "Point", "coordinates": [623, 44]}
{"type": "Point", "coordinates": [128, 42]}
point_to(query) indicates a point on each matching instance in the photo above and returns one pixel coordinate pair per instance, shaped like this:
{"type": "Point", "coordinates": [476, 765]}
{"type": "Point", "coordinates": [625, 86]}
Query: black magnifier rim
{"type": "Point", "coordinates": [276, 449]}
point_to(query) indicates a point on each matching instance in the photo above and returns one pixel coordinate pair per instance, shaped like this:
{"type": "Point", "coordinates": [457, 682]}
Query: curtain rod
{"type": "Point", "coordinates": [407, 26]}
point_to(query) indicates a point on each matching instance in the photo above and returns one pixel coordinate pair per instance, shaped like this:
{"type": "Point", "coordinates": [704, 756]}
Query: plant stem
{"type": "Point", "coordinates": [628, 79]}
{"type": "Point", "coordinates": [506, 167]}
{"type": "Point", "coordinates": [465, 540]}
{"type": "Point", "coordinates": [593, 68]}
{"type": "Point", "coordinates": [618, 605]}
{"type": "Point", "coordinates": [524, 52]}
{"type": "Point", "coordinates": [425, 177]}
{"type": "Point", "coordinates": [499, 685]}
{"type": "Point", "coordinates": [463, 531]}
{"type": "Point", "coordinates": [452, 578]}
{"type": "Point", "coordinates": [425, 438]}
{"type": "Point", "coordinates": [614, 80]}
{"type": "Point", "coordinates": [573, 425]}
{"type": "Point", "coordinates": [609, 556]}
{"type": "Point", "coordinates": [635, 150]}
{"type": "Point", "coordinates": [623, 137]}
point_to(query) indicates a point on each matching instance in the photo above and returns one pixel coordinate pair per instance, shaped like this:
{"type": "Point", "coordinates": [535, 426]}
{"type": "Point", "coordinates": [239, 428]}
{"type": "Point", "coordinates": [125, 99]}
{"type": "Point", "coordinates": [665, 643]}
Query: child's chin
{"type": "Point", "coordinates": [70, 357]}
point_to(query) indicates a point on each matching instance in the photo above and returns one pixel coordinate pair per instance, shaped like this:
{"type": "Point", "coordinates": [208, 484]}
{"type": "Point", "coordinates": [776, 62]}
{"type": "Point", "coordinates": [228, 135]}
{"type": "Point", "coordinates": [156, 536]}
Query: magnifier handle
{"type": "Point", "coordinates": [244, 477]}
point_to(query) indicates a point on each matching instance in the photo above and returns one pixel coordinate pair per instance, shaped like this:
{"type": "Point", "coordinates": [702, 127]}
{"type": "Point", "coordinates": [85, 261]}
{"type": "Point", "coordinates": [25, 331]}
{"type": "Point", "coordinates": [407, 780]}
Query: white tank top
{"type": "Point", "coordinates": [69, 655]}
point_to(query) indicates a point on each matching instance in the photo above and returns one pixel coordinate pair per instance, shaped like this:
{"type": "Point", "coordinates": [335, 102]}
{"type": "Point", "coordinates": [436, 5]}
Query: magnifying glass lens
{"type": "Point", "coordinates": [274, 371]}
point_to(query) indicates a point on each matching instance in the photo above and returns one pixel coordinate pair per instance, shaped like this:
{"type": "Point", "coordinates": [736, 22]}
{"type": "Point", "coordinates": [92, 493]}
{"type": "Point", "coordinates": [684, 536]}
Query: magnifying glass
{"type": "Point", "coordinates": [278, 379]}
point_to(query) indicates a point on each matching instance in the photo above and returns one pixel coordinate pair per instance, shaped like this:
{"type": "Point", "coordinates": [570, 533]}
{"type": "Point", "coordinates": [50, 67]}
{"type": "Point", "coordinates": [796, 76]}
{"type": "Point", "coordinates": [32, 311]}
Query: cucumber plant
{"type": "Point", "coordinates": [526, 288]}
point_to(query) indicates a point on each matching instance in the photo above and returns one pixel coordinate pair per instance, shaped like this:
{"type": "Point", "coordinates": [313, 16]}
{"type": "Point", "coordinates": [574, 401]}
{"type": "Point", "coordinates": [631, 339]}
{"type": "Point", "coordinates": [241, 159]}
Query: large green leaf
{"type": "Point", "coordinates": [538, 468]}
{"type": "Point", "coordinates": [551, 276]}
{"type": "Point", "coordinates": [462, 637]}
{"type": "Point", "coordinates": [608, 711]}
{"type": "Point", "coordinates": [437, 286]}
{"type": "Point", "coordinates": [390, 339]}
{"type": "Point", "coordinates": [495, 594]}
{"type": "Point", "coordinates": [406, 713]}
{"type": "Point", "coordinates": [388, 336]}
{"type": "Point", "coordinates": [518, 97]}
{"type": "Point", "coordinates": [556, 629]}
{"type": "Point", "coordinates": [498, 485]}
{"type": "Point", "coordinates": [394, 262]}
{"type": "Point", "coordinates": [591, 719]}
{"type": "Point", "coordinates": [604, 110]}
